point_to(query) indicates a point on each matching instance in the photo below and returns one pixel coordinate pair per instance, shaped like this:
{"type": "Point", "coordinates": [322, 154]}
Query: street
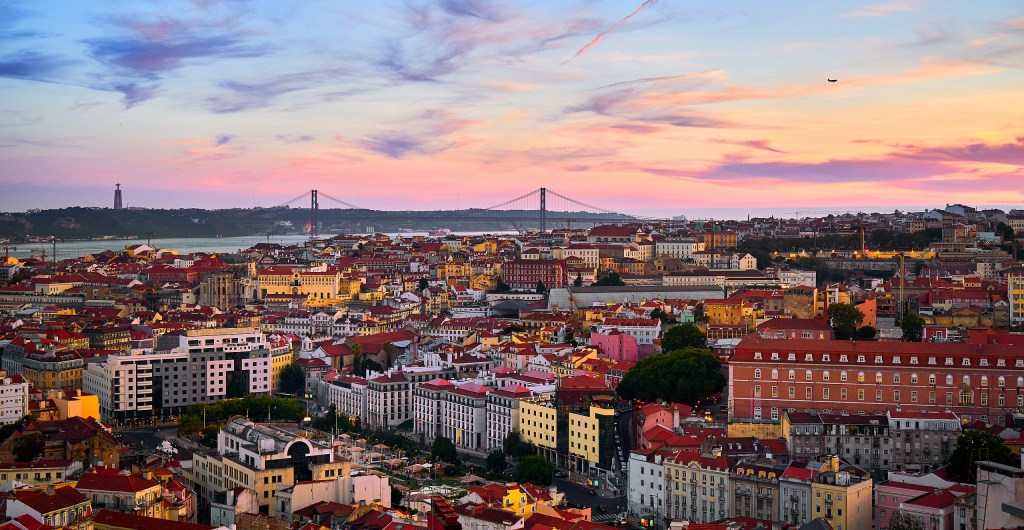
{"type": "Point", "coordinates": [577, 495]}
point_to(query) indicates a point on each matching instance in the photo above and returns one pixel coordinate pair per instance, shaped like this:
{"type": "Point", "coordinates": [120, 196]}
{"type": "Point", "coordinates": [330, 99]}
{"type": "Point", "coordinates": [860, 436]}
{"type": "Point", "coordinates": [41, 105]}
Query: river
{"type": "Point", "coordinates": [181, 245]}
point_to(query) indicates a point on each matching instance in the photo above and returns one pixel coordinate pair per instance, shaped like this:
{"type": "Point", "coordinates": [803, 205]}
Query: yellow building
{"type": "Point", "coordinates": [729, 312]}
{"type": "Point", "coordinates": [489, 246]}
{"type": "Point", "coordinates": [76, 404]}
{"type": "Point", "coordinates": [518, 501]}
{"type": "Point", "coordinates": [317, 284]}
{"type": "Point", "coordinates": [137, 494]}
{"type": "Point", "coordinates": [40, 473]}
{"type": "Point", "coordinates": [585, 435]}
{"type": "Point", "coordinates": [538, 424]}
{"type": "Point", "coordinates": [57, 370]}
{"type": "Point", "coordinates": [829, 296]}
{"type": "Point", "coordinates": [842, 496]}
{"type": "Point", "coordinates": [1015, 292]}
{"type": "Point", "coordinates": [483, 282]}
{"type": "Point", "coordinates": [278, 360]}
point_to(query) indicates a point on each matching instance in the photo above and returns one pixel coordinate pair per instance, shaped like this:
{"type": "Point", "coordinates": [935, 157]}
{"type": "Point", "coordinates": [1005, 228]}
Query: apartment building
{"type": "Point", "coordinates": [864, 441]}
{"type": "Point", "coordinates": [644, 330]}
{"type": "Point", "coordinates": [647, 486]}
{"type": "Point", "coordinates": [697, 487]}
{"type": "Point", "coordinates": [262, 458]}
{"type": "Point", "coordinates": [922, 441]}
{"type": "Point", "coordinates": [1015, 292]}
{"type": "Point", "coordinates": [427, 407]}
{"type": "Point", "coordinates": [388, 399]}
{"type": "Point", "coordinates": [347, 393]}
{"type": "Point", "coordinates": [503, 413]}
{"type": "Point", "coordinates": [754, 490]}
{"type": "Point", "coordinates": [682, 248]}
{"type": "Point", "coordinates": [464, 416]}
{"type": "Point", "coordinates": [842, 495]}
{"type": "Point", "coordinates": [13, 398]}
{"type": "Point", "coordinates": [197, 366]}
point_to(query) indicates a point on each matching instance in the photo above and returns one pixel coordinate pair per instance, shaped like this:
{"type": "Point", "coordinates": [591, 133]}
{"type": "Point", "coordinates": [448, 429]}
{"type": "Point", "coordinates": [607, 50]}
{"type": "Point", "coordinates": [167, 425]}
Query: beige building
{"type": "Point", "coordinates": [261, 458]}
{"type": "Point", "coordinates": [120, 491]}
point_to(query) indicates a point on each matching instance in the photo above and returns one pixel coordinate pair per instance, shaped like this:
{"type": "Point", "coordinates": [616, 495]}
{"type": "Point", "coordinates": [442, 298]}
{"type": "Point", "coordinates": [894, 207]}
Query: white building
{"type": "Point", "coordinates": [388, 400]}
{"type": "Point", "coordinates": [797, 278]}
{"type": "Point", "coordinates": [682, 248]}
{"type": "Point", "coordinates": [346, 393]}
{"type": "Point", "coordinates": [464, 413]}
{"type": "Point", "coordinates": [644, 330]}
{"type": "Point", "coordinates": [427, 400]}
{"type": "Point", "coordinates": [1000, 500]}
{"type": "Point", "coordinates": [503, 413]}
{"type": "Point", "coordinates": [647, 486]}
{"type": "Point", "coordinates": [199, 366]}
{"type": "Point", "coordinates": [13, 399]}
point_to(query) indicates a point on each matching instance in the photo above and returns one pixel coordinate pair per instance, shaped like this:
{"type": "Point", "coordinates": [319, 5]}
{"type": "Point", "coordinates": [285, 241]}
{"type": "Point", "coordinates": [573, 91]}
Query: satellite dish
{"type": "Point", "coordinates": [307, 419]}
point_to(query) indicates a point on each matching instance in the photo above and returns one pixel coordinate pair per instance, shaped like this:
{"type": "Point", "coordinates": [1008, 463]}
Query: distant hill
{"type": "Point", "coordinates": [85, 223]}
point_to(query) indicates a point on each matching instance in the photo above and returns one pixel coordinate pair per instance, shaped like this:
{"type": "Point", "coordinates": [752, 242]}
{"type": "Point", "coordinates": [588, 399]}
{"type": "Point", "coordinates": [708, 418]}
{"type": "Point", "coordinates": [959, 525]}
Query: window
{"type": "Point", "coordinates": [757, 373]}
{"type": "Point", "coordinates": [842, 394]}
{"type": "Point", "coordinates": [792, 375]}
{"type": "Point", "coordinates": [896, 378]}
{"type": "Point", "coordinates": [949, 380]}
{"type": "Point", "coordinates": [860, 377]}
{"type": "Point", "coordinates": [878, 395]}
{"type": "Point", "coordinates": [913, 396]}
{"type": "Point", "coordinates": [860, 394]}
{"type": "Point", "coordinates": [1001, 382]}
{"type": "Point", "coordinates": [792, 392]}
{"type": "Point", "coordinates": [878, 377]}
{"type": "Point", "coordinates": [984, 380]}
{"type": "Point", "coordinates": [757, 390]}
{"type": "Point", "coordinates": [807, 375]}
{"type": "Point", "coordinates": [824, 375]}
{"type": "Point", "coordinates": [966, 396]}
{"type": "Point", "coordinates": [842, 376]}
{"type": "Point", "coordinates": [896, 396]}
{"type": "Point", "coordinates": [824, 393]}
{"type": "Point", "coordinates": [775, 413]}
{"type": "Point", "coordinates": [931, 379]}
{"type": "Point", "coordinates": [757, 414]}
{"type": "Point", "coordinates": [775, 391]}
{"type": "Point", "coordinates": [775, 374]}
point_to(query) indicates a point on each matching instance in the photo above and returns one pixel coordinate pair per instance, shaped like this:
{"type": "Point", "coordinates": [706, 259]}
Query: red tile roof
{"type": "Point", "coordinates": [111, 519]}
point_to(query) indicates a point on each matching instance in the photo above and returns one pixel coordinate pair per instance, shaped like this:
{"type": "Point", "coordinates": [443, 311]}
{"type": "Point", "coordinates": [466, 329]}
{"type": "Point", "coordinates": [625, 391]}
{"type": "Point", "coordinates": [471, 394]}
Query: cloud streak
{"type": "Point", "coordinates": [600, 36]}
{"type": "Point", "coordinates": [881, 10]}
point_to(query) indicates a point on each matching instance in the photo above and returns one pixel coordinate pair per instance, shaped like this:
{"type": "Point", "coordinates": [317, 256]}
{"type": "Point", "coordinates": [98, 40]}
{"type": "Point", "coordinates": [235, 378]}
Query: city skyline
{"type": "Point", "coordinates": [647, 107]}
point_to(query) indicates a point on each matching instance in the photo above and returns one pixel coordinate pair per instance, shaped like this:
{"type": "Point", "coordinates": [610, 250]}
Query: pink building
{"type": "Point", "coordinates": [615, 345]}
{"type": "Point", "coordinates": [888, 497]}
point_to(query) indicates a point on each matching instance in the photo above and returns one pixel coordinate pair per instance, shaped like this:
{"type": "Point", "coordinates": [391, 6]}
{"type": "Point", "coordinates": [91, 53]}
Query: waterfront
{"type": "Point", "coordinates": [182, 245]}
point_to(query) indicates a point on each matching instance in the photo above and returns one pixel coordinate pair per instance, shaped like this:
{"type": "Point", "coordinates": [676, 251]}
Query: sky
{"type": "Point", "coordinates": [648, 107]}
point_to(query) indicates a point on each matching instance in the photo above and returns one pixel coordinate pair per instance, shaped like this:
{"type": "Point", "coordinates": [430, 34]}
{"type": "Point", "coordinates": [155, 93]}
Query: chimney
{"type": "Point", "coordinates": [675, 416]}
{"type": "Point", "coordinates": [833, 463]}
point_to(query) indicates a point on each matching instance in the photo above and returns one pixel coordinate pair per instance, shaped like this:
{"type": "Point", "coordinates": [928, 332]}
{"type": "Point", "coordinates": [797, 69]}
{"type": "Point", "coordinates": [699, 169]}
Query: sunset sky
{"type": "Point", "coordinates": [646, 107]}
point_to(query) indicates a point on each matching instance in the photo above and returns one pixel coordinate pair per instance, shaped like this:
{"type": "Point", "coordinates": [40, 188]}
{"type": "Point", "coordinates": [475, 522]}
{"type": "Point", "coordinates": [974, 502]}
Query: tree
{"type": "Point", "coordinates": [293, 379]}
{"type": "Point", "coordinates": [541, 288]}
{"type": "Point", "coordinates": [660, 315]}
{"type": "Point", "coordinates": [357, 360]}
{"type": "Point", "coordinates": [865, 333]}
{"type": "Point", "coordinates": [396, 496]}
{"type": "Point", "coordinates": [388, 350]}
{"type": "Point", "coordinates": [535, 470]}
{"type": "Point", "coordinates": [610, 280]}
{"type": "Point", "coordinates": [422, 284]}
{"type": "Point", "coordinates": [913, 328]}
{"type": "Point", "coordinates": [444, 450]}
{"type": "Point", "coordinates": [901, 520]}
{"type": "Point", "coordinates": [502, 287]}
{"type": "Point", "coordinates": [496, 462]}
{"type": "Point", "coordinates": [514, 446]}
{"type": "Point", "coordinates": [973, 446]}
{"type": "Point", "coordinates": [578, 282]}
{"type": "Point", "coordinates": [844, 319]}
{"type": "Point", "coordinates": [683, 336]}
{"type": "Point", "coordinates": [28, 447]}
{"type": "Point", "coordinates": [686, 376]}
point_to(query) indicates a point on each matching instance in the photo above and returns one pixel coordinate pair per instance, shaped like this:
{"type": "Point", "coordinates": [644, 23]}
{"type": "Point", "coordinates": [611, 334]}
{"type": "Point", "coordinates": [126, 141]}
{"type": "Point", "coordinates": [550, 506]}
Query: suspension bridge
{"type": "Point", "coordinates": [542, 207]}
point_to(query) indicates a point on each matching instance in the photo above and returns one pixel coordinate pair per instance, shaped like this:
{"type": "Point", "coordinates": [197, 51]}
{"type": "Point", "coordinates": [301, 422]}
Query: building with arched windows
{"type": "Point", "coordinates": [972, 381]}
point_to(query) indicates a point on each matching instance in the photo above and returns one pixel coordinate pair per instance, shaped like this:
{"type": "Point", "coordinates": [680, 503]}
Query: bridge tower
{"type": "Point", "coordinates": [314, 211]}
{"type": "Point", "coordinates": [543, 210]}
